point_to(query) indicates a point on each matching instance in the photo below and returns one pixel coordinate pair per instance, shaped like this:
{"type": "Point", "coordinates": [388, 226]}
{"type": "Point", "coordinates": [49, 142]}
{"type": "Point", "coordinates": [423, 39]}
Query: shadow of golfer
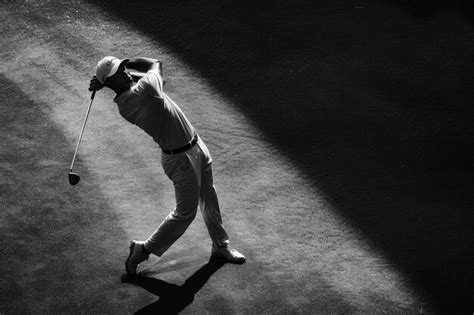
{"type": "Point", "coordinates": [174, 298]}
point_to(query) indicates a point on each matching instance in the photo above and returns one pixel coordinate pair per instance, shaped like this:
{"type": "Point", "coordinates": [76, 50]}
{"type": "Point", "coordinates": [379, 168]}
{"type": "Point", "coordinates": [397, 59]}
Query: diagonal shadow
{"type": "Point", "coordinates": [374, 106]}
{"type": "Point", "coordinates": [174, 298]}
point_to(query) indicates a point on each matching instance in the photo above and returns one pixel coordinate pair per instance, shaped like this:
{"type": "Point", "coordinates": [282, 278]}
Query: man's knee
{"type": "Point", "coordinates": [184, 214]}
{"type": "Point", "coordinates": [207, 190]}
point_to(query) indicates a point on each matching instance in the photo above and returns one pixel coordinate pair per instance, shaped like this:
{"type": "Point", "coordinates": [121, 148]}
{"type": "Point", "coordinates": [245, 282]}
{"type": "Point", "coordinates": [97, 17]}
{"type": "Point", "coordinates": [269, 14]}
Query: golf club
{"type": "Point", "coordinates": [74, 177]}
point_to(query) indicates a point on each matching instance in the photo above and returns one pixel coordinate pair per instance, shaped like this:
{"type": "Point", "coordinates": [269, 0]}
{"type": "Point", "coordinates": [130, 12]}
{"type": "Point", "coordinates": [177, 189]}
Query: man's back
{"type": "Point", "coordinates": [147, 106]}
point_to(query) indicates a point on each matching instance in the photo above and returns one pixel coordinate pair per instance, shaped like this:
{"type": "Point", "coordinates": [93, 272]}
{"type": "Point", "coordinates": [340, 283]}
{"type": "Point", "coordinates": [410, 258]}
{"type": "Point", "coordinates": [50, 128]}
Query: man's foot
{"type": "Point", "coordinates": [136, 256]}
{"type": "Point", "coordinates": [228, 254]}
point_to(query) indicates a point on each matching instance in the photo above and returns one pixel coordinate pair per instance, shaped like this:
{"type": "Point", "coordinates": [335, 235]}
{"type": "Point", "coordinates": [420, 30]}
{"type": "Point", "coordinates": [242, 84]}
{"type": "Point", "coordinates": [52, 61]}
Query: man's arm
{"type": "Point", "coordinates": [136, 75]}
{"type": "Point", "coordinates": [142, 64]}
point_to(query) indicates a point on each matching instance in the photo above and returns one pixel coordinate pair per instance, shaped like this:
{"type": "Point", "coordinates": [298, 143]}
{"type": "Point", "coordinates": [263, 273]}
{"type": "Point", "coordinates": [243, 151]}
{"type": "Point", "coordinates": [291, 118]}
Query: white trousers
{"type": "Point", "coordinates": [191, 173]}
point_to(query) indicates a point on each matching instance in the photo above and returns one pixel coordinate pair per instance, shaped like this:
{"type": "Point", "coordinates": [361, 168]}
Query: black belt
{"type": "Point", "coordinates": [188, 146]}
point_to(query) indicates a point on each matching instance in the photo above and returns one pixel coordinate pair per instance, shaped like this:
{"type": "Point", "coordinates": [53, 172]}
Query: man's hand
{"type": "Point", "coordinates": [95, 85]}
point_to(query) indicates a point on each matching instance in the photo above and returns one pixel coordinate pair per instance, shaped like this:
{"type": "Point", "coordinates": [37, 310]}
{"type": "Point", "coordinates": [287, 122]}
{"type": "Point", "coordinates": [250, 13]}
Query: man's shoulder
{"type": "Point", "coordinates": [151, 81]}
{"type": "Point", "coordinates": [125, 96]}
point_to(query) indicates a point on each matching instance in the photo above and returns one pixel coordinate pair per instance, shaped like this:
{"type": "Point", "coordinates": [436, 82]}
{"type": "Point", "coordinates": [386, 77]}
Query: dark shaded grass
{"type": "Point", "coordinates": [373, 105]}
{"type": "Point", "coordinates": [59, 243]}
{"type": "Point", "coordinates": [426, 8]}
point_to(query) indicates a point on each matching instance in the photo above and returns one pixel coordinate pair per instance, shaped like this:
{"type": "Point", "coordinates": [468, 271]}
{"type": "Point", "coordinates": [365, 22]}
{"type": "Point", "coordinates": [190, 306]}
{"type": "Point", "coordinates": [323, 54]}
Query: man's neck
{"type": "Point", "coordinates": [119, 91]}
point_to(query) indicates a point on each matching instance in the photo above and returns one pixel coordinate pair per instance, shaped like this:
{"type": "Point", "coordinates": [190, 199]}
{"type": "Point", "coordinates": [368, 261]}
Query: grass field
{"type": "Point", "coordinates": [340, 133]}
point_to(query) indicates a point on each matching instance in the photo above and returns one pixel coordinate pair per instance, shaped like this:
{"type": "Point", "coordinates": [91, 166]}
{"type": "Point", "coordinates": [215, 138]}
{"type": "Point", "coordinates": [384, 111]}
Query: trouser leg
{"type": "Point", "coordinates": [192, 177]}
{"type": "Point", "coordinates": [187, 191]}
{"type": "Point", "coordinates": [209, 203]}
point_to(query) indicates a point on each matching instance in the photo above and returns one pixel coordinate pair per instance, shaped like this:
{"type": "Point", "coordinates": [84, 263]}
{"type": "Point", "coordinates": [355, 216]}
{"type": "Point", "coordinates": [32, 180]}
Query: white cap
{"type": "Point", "coordinates": [107, 67]}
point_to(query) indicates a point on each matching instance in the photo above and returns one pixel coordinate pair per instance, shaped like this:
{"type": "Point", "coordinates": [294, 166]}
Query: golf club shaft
{"type": "Point", "coordinates": [82, 130]}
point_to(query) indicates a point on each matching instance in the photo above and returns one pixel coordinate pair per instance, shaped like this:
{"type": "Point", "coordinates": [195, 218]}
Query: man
{"type": "Point", "coordinates": [185, 158]}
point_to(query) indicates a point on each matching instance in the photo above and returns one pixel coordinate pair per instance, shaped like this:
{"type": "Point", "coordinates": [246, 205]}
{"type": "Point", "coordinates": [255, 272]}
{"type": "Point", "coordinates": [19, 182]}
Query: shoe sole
{"type": "Point", "coordinates": [238, 262]}
{"type": "Point", "coordinates": [131, 248]}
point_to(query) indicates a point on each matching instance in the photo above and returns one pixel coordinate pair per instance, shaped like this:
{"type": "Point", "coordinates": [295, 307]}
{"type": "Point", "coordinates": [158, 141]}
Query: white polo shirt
{"type": "Point", "coordinates": [147, 106]}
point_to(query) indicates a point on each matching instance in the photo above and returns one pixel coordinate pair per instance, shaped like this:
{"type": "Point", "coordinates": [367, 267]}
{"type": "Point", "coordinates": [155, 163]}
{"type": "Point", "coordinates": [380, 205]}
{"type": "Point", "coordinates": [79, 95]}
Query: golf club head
{"type": "Point", "coordinates": [73, 178]}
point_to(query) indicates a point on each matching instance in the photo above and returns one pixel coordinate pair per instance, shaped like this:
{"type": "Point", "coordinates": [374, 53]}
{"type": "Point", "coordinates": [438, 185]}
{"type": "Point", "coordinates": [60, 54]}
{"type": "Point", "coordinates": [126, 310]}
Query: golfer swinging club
{"type": "Point", "coordinates": [185, 159]}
